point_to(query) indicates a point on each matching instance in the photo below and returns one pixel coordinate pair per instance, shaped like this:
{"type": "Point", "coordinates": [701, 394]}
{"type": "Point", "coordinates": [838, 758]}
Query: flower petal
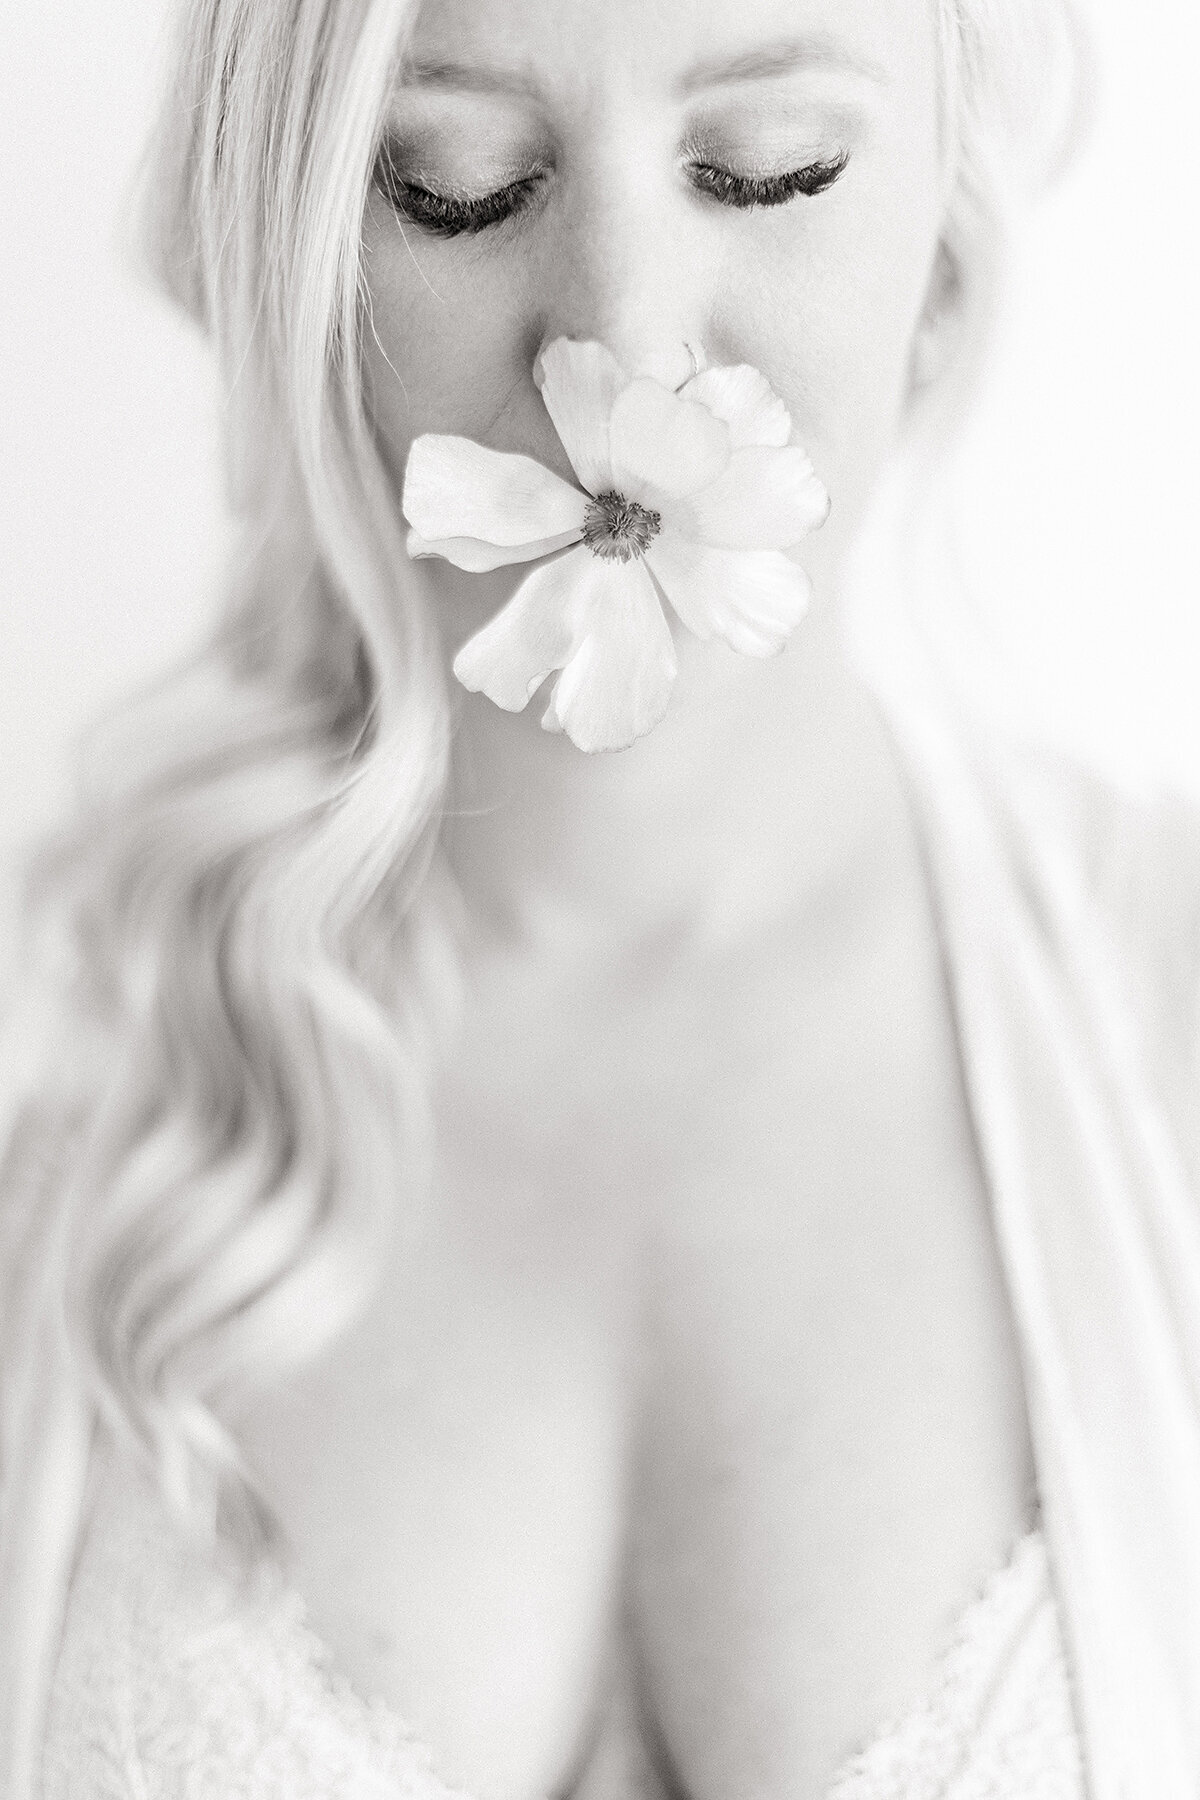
{"type": "Point", "coordinates": [454, 488]}
{"type": "Point", "coordinates": [662, 445]}
{"type": "Point", "coordinates": [534, 634]}
{"type": "Point", "coordinates": [764, 500]}
{"type": "Point", "coordinates": [579, 383]}
{"type": "Point", "coordinates": [753, 599]}
{"type": "Point", "coordinates": [746, 401]}
{"type": "Point", "coordinates": [617, 683]}
{"type": "Point", "coordinates": [475, 555]}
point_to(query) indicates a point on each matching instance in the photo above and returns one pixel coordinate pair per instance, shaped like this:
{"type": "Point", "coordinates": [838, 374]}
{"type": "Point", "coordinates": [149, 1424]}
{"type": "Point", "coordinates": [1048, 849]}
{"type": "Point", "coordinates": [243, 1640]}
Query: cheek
{"type": "Point", "coordinates": [830, 317]}
{"type": "Point", "coordinates": [445, 349]}
{"type": "Point", "coordinates": [446, 352]}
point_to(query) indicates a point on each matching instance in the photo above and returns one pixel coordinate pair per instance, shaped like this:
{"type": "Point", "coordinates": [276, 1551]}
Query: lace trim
{"type": "Point", "coordinates": [170, 1687]}
{"type": "Point", "coordinates": [998, 1722]}
{"type": "Point", "coordinates": [166, 1686]}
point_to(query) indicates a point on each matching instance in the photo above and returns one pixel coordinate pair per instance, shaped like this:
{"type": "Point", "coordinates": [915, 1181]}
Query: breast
{"type": "Point", "coordinates": [166, 1679]}
{"type": "Point", "coordinates": [172, 1680]}
{"type": "Point", "coordinates": [451, 1480]}
{"type": "Point", "coordinates": [997, 1720]}
{"type": "Point", "coordinates": [713, 1348]}
{"type": "Point", "coordinates": [834, 1451]}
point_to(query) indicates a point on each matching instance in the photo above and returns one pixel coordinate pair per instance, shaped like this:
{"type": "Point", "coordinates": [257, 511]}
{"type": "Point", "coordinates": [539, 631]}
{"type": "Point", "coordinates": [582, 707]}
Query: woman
{"type": "Point", "coordinates": [598, 1257]}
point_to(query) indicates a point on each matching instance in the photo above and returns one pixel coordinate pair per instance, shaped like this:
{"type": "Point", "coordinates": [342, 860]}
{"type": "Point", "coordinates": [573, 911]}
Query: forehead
{"type": "Point", "coordinates": [570, 48]}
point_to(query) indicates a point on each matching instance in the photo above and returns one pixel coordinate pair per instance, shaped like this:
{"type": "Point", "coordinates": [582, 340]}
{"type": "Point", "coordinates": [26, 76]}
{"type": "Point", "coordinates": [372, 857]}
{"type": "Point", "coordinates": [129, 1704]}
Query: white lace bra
{"type": "Point", "coordinates": [164, 1691]}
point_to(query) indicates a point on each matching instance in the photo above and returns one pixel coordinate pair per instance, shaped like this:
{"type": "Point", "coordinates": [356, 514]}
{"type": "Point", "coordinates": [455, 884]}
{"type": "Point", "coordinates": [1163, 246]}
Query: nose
{"type": "Point", "coordinates": [628, 271]}
{"type": "Point", "coordinates": [671, 364]}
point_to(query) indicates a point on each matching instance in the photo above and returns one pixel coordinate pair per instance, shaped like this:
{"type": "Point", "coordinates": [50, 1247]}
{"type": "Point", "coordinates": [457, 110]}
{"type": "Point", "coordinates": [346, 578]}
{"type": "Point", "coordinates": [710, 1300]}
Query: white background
{"type": "Point", "coordinates": [1083, 468]}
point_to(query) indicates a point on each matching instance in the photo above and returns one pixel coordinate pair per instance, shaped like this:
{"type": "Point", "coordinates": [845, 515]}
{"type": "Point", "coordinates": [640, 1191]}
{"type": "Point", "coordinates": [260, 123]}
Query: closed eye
{"type": "Point", "coordinates": [767, 190]}
{"type": "Point", "coordinates": [452, 215]}
{"type": "Point", "coordinates": [456, 215]}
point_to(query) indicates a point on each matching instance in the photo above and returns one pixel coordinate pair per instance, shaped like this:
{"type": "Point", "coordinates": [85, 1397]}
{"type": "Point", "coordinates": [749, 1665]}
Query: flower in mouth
{"type": "Point", "coordinates": [688, 495]}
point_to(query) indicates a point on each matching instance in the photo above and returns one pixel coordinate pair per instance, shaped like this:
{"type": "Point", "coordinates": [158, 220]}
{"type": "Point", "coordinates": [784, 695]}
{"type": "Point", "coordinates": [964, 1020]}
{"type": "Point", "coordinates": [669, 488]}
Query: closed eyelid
{"type": "Point", "coordinates": [776, 143]}
{"type": "Point", "coordinates": [432, 153]}
{"type": "Point", "coordinates": [804, 117]}
{"type": "Point", "coordinates": [447, 120]}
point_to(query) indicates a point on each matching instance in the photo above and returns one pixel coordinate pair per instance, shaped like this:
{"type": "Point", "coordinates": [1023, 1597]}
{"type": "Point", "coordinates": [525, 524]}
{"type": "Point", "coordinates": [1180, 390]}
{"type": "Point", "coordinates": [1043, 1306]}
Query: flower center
{"type": "Point", "coordinates": [619, 529]}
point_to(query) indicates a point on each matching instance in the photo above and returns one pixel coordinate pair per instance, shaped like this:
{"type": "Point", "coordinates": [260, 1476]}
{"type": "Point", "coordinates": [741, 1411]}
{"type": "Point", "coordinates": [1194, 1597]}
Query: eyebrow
{"type": "Point", "coordinates": [468, 78]}
{"type": "Point", "coordinates": [782, 57]}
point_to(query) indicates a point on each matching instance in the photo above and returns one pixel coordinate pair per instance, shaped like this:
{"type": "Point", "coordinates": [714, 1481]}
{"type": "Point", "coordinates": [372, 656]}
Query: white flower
{"type": "Point", "coordinates": [690, 496]}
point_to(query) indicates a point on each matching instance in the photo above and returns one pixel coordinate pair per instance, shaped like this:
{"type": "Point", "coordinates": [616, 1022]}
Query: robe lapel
{"type": "Point", "coordinates": [1100, 1242]}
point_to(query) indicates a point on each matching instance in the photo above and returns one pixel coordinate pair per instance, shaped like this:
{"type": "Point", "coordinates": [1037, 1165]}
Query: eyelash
{"type": "Point", "coordinates": [443, 216]}
{"type": "Point", "coordinates": [747, 191]}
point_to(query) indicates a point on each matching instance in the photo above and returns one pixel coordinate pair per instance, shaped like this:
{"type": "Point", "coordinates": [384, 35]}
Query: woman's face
{"type": "Point", "coordinates": [586, 168]}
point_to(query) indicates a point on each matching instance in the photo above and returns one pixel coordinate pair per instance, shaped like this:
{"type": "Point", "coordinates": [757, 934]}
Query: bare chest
{"type": "Point", "coordinates": [705, 1370]}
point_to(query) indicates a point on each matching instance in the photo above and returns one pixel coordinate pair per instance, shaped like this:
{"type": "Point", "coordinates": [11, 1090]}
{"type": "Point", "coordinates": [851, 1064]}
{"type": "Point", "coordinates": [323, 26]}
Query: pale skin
{"type": "Point", "coordinates": [692, 1415]}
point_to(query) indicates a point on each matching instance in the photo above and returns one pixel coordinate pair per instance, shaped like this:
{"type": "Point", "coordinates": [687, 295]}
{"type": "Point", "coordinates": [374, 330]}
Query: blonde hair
{"type": "Point", "coordinates": [237, 952]}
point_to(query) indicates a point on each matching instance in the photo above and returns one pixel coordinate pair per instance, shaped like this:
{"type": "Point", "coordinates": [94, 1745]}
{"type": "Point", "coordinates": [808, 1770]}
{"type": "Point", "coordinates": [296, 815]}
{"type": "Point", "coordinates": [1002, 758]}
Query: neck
{"type": "Point", "coordinates": [762, 789]}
